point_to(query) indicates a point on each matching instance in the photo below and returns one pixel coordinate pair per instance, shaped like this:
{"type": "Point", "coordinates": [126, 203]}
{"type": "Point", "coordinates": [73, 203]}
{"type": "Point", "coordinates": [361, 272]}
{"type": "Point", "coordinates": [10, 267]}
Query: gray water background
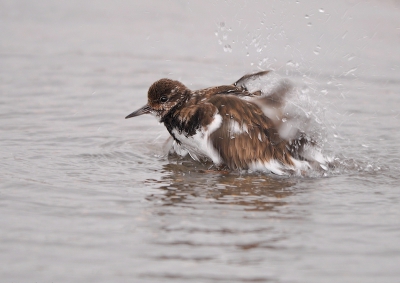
{"type": "Point", "coordinates": [86, 196]}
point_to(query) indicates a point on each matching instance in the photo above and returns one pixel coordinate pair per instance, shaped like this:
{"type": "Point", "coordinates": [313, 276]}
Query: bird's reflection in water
{"type": "Point", "coordinates": [187, 183]}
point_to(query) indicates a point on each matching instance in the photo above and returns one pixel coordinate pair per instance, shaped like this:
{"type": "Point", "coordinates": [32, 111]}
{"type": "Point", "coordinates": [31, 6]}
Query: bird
{"type": "Point", "coordinates": [231, 126]}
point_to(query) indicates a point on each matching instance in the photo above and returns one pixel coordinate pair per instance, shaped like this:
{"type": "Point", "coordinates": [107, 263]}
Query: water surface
{"type": "Point", "coordinates": [88, 196]}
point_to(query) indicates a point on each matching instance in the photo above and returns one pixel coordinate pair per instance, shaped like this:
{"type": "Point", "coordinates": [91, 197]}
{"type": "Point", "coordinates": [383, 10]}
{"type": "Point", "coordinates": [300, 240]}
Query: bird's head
{"type": "Point", "coordinates": [163, 95]}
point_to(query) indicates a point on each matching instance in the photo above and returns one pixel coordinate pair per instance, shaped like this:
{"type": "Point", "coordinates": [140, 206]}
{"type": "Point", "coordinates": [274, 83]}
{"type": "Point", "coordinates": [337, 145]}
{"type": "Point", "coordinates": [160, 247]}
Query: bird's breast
{"type": "Point", "coordinates": [198, 143]}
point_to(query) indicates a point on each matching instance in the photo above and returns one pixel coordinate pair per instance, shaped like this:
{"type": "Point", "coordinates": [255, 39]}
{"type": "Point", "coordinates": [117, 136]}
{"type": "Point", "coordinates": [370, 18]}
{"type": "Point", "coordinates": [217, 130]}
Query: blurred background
{"type": "Point", "coordinates": [88, 196]}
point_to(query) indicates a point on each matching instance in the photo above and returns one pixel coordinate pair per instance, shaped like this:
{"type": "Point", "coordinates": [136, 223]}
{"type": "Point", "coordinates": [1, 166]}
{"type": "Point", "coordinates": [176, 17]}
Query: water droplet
{"type": "Point", "coordinates": [305, 90]}
{"type": "Point", "coordinates": [321, 10]}
{"type": "Point", "coordinates": [350, 71]}
{"type": "Point", "coordinates": [263, 61]}
{"type": "Point", "coordinates": [351, 57]}
{"type": "Point", "coordinates": [317, 50]}
{"type": "Point", "coordinates": [225, 37]}
{"type": "Point", "coordinates": [216, 33]}
{"type": "Point", "coordinates": [222, 26]}
{"type": "Point", "coordinates": [307, 16]}
{"type": "Point", "coordinates": [227, 48]}
{"type": "Point", "coordinates": [284, 120]}
{"type": "Point", "coordinates": [290, 63]}
{"type": "Point", "coordinates": [247, 54]}
{"type": "Point", "coordinates": [323, 166]}
{"type": "Point", "coordinates": [309, 24]}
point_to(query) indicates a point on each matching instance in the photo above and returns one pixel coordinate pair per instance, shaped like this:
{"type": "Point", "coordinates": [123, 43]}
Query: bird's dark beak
{"type": "Point", "coordinates": [144, 110]}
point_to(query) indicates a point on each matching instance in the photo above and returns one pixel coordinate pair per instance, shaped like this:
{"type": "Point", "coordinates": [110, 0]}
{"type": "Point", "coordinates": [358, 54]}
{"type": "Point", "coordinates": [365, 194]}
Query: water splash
{"type": "Point", "coordinates": [222, 34]}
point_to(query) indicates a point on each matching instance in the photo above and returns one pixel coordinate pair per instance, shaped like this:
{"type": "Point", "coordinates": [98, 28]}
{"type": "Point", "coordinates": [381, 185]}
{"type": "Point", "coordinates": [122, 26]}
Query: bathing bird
{"type": "Point", "coordinates": [231, 126]}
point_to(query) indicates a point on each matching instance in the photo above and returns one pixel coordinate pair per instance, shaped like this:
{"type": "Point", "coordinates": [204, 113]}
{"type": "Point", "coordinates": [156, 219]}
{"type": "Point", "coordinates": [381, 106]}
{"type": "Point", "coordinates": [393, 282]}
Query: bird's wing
{"type": "Point", "coordinates": [249, 77]}
{"type": "Point", "coordinates": [222, 90]}
{"type": "Point", "coordinates": [238, 88]}
{"type": "Point", "coordinates": [277, 96]}
{"type": "Point", "coordinates": [246, 135]}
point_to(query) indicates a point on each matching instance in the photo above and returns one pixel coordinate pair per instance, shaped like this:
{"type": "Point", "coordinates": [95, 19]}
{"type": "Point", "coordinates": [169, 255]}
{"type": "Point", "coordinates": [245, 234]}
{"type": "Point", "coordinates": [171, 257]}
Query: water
{"type": "Point", "coordinates": [86, 196]}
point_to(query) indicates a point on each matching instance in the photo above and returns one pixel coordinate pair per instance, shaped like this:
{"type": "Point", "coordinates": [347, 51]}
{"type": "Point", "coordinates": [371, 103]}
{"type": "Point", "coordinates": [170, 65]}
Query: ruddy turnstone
{"type": "Point", "coordinates": [230, 126]}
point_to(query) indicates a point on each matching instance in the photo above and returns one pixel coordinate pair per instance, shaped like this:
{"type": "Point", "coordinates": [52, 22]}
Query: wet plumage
{"type": "Point", "coordinates": [229, 125]}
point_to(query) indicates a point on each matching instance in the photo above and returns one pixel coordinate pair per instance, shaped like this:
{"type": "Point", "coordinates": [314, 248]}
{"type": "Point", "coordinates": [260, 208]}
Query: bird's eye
{"type": "Point", "coordinates": [163, 99]}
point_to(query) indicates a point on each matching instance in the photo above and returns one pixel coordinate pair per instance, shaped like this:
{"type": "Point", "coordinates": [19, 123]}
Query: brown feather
{"type": "Point", "coordinates": [259, 142]}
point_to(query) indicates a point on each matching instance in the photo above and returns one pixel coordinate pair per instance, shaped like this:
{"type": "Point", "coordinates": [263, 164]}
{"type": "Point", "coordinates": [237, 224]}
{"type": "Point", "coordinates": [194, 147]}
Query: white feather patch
{"type": "Point", "coordinates": [271, 166]}
{"type": "Point", "coordinates": [236, 128]}
{"type": "Point", "coordinates": [276, 167]}
{"type": "Point", "coordinates": [199, 145]}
